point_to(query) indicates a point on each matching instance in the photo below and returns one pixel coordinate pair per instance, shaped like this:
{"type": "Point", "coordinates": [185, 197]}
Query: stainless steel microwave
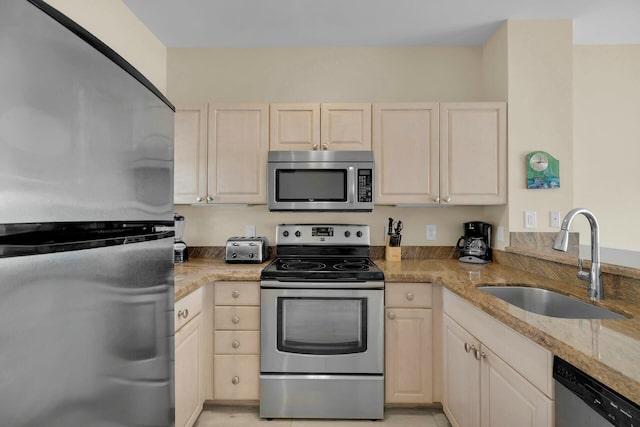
{"type": "Point", "coordinates": [320, 181]}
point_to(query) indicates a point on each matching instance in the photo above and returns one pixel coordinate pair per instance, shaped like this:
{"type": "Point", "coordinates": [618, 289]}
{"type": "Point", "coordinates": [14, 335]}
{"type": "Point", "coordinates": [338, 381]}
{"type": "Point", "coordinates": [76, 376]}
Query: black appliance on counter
{"type": "Point", "coordinates": [475, 245]}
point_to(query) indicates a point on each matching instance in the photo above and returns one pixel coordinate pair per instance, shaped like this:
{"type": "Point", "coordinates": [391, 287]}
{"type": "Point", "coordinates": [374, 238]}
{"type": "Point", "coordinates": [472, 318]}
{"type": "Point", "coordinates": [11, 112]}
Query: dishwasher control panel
{"type": "Point", "coordinates": [611, 405]}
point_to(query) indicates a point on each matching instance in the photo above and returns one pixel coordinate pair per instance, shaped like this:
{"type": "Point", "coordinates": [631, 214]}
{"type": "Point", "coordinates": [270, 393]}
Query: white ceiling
{"type": "Point", "coordinates": [291, 23]}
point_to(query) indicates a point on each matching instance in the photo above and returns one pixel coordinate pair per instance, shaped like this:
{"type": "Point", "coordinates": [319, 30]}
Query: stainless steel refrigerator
{"type": "Point", "coordinates": [86, 230]}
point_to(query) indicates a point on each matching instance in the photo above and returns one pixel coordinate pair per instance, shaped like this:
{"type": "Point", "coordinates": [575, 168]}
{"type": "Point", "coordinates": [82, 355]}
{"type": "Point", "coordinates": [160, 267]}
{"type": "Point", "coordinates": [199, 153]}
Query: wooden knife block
{"type": "Point", "coordinates": [392, 253]}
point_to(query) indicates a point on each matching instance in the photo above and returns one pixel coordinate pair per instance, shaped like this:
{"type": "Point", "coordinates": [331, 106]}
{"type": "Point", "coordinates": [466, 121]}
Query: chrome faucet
{"type": "Point", "coordinates": [594, 276]}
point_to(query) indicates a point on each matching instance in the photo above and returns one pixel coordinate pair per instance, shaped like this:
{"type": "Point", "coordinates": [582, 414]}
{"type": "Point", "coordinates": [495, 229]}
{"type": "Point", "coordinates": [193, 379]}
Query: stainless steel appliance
{"type": "Point", "coordinates": [246, 250]}
{"type": "Point", "coordinates": [583, 401]}
{"type": "Point", "coordinates": [320, 181]}
{"type": "Point", "coordinates": [475, 245]}
{"type": "Point", "coordinates": [180, 249]}
{"type": "Point", "coordinates": [322, 325]}
{"type": "Point", "coordinates": [86, 230]}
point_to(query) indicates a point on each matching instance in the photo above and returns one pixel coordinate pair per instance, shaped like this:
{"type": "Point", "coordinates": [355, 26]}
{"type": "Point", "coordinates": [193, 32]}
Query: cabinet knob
{"type": "Point", "coordinates": [183, 313]}
{"type": "Point", "coordinates": [391, 315]}
{"type": "Point", "coordinates": [235, 320]}
{"type": "Point", "coordinates": [199, 199]}
{"type": "Point", "coordinates": [325, 147]}
{"type": "Point", "coordinates": [235, 344]}
{"type": "Point", "coordinates": [235, 380]}
{"type": "Point", "coordinates": [410, 296]}
{"type": "Point", "coordinates": [315, 146]}
{"type": "Point", "coordinates": [209, 199]}
{"type": "Point", "coordinates": [447, 199]}
{"type": "Point", "coordinates": [436, 199]}
{"type": "Point", "coordinates": [467, 347]}
{"type": "Point", "coordinates": [479, 354]}
{"type": "Point", "coordinates": [235, 294]}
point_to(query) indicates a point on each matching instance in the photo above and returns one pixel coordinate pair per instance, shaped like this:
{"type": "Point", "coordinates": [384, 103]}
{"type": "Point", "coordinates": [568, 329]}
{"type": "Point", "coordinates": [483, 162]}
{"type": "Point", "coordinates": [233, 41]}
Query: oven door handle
{"type": "Point", "coordinates": [332, 284]}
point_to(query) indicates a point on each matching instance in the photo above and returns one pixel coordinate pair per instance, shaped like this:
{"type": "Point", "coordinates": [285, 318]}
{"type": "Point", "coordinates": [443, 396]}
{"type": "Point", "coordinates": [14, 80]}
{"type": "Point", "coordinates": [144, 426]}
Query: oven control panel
{"type": "Point", "coordinates": [323, 234]}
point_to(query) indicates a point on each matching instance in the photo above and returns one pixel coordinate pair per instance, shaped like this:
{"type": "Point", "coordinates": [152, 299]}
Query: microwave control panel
{"type": "Point", "coordinates": [365, 185]}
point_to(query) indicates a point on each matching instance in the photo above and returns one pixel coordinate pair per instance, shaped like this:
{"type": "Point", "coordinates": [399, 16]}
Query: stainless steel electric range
{"type": "Point", "coordinates": [322, 325]}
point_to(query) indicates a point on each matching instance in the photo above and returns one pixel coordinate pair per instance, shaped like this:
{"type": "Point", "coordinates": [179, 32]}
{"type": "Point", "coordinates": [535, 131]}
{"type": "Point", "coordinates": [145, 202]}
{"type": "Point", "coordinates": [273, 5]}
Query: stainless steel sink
{"type": "Point", "coordinates": [549, 303]}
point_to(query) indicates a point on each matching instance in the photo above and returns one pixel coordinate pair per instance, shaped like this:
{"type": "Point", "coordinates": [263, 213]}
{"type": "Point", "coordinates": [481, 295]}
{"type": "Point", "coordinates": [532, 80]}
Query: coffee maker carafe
{"type": "Point", "coordinates": [475, 245]}
{"type": "Point", "coordinates": [180, 250]}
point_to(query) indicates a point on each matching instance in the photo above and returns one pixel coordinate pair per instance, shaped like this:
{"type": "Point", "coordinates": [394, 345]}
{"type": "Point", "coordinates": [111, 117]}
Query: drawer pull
{"type": "Point", "coordinates": [183, 313]}
{"type": "Point", "coordinates": [410, 296]}
{"type": "Point", "coordinates": [235, 380]}
{"type": "Point", "coordinates": [467, 347]}
{"type": "Point", "coordinates": [235, 344]}
{"type": "Point", "coordinates": [235, 320]}
{"type": "Point", "coordinates": [235, 294]}
{"type": "Point", "coordinates": [391, 315]}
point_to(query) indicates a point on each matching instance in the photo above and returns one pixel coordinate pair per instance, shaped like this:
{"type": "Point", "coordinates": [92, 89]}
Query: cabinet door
{"type": "Point", "coordinates": [461, 376]}
{"type": "Point", "coordinates": [190, 154]}
{"type": "Point", "coordinates": [345, 126]}
{"type": "Point", "coordinates": [408, 355]}
{"type": "Point", "coordinates": [237, 158]}
{"type": "Point", "coordinates": [508, 399]}
{"type": "Point", "coordinates": [294, 127]}
{"type": "Point", "coordinates": [473, 153]}
{"type": "Point", "coordinates": [405, 143]}
{"type": "Point", "coordinates": [188, 396]}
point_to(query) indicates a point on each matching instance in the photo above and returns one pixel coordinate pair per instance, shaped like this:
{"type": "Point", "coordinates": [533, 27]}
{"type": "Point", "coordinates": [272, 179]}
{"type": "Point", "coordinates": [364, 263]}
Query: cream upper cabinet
{"type": "Point", "coordinates": [345, 126]}
{"type": "Point", "coordinates": [408, 343]}
{"type": "Point", "coordinates": [339, 126]}
{"type": "Point", "coordinates": [406, 149]}
{"type": "Point", "coordinates": [190, 153]}
{"type": "Point", "coordinates": [493, 376]}
{"type": "Point", "coordinates": [221, 153]}
{"type": "Point", "coordinates": [294, 127]}
{"type": "Point", "coordinates": [238, 143]}
{"type": "Point", "coordinates": [473, 153]}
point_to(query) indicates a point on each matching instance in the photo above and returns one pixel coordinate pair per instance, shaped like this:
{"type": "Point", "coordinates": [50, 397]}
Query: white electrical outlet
{"type": "Point", "coordinates": [500, 236]}
{"type": "Point", "coordinates": [250, 230]}
{"type": "Point", "coordinates": [530, 220]}
{"type": "Point", "coordinates": [431, 232]}
{"type": "Point", "coordinates": [554, 219]}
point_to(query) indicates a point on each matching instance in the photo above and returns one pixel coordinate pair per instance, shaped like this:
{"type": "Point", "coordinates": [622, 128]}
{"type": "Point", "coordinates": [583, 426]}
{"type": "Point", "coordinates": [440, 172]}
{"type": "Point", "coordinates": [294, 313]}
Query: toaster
{"type": "Point", "coordinates": [247, 250]}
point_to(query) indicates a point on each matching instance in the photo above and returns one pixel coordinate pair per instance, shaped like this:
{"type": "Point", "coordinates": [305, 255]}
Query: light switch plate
{"type": "Point", "coordinates": [500, 236]}
{"type": "Point", "coordinates": [554, 219]}
{"type": "Point", "coordinates": [431, 232]}
{"type": "Point", "coordinates": [250, 230]}
{"type": "Point", "coordinates": [530, 220]}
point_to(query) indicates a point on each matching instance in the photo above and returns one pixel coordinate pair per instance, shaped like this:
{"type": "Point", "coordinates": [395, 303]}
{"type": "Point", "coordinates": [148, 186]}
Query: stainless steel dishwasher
{"type": "Point", "coordinates": [583, 401]}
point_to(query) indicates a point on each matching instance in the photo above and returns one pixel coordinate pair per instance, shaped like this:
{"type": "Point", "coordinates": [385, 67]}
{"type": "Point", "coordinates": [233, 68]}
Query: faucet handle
{"type": "Point", "coordinates": [582, 275]}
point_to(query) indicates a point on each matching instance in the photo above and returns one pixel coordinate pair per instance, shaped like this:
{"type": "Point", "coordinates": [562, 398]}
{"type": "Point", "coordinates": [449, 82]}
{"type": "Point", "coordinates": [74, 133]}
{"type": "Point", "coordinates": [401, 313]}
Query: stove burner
{"type": "Point", "coordinates": [352, 265]}
{"type": "Point", "coordinates": [299, 265]}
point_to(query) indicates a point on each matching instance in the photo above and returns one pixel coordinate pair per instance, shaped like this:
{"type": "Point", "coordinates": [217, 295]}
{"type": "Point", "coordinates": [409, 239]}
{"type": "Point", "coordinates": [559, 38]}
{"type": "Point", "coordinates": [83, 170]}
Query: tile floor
{"type": "Point", "coordinates": [243, 416]}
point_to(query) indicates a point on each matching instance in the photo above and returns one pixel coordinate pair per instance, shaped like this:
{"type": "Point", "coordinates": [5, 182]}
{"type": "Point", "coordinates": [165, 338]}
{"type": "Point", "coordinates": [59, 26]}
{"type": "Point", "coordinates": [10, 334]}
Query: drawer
{"type": "Point", "coordinates": [407, 295]}
{"type": "Point", "coordinates": [237, 293]}
{"type": "Point", "coordinates": [187, 308]}
{"type": "Point", "coordinates": [237, 342]}
{"type": "Point", "coordinates": [237, 318]}
{"type": "Point", "coordinates": [236, 377]}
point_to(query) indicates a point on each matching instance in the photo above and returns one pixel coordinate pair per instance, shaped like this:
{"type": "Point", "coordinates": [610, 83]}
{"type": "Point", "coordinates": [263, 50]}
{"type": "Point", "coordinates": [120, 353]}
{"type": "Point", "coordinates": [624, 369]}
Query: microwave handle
{"type": "Point", "coordinates": [352, 196]}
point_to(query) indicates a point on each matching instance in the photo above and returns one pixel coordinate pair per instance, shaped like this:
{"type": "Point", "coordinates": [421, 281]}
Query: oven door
{"type": "Point", "coordinates": [327, 331]}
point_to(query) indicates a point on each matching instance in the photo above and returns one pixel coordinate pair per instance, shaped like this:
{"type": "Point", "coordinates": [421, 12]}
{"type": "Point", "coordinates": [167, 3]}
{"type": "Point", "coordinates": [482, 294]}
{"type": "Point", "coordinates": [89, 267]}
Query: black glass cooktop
{"type": "Point", "coordinates": [322, 268]}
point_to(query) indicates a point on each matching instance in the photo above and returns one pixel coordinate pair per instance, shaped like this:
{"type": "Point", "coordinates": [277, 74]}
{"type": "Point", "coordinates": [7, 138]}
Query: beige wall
{"type": "Point", "coordinates": [399, 74]}
{"type": "Point", "coordinates": [607, 141]}
{"type": "Point", "coordinates": [540, 105]}
{"type": "Point", "coordinates": [113, 23]}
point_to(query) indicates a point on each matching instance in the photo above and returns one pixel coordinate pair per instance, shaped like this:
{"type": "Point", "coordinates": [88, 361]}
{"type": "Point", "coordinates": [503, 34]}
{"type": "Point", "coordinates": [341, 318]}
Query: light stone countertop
{"type": "Point", "coordinates": [608, 350]}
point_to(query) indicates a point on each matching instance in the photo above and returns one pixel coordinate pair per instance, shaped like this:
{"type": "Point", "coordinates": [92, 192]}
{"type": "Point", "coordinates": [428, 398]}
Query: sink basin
{"type": "Point", "coordinates": [549, 303]}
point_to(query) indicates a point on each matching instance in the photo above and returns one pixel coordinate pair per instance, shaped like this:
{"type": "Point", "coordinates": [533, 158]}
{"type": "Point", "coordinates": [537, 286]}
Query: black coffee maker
{"type": "Point", "coordinates": [475, 245]}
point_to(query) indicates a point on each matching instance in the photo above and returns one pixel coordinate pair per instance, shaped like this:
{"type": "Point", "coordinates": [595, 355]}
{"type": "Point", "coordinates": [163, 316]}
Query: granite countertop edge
{"type": "Point", "coordinates": [463, 280]}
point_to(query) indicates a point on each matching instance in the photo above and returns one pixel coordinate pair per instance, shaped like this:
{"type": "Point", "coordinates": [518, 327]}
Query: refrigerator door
{"type": "Point", "coordinates": [86, 337]}
{"type": "Point", "coordinates": [81, 138]}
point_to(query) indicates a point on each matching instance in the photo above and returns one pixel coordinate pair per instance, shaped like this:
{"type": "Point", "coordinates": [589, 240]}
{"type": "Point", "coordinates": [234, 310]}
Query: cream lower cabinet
{"type": "Point", "coordinates": [221, 153]}
{"type": "Point", "coordinates": [189, 382]}
{"type": "Point", "coordinates": [236, 360]}
{"type": "Point", "coordinates": [440, 154]}
{"type": "Point", "coordinates": [408, 343]}
{"type": "Point", "coordinates": [480, 389]}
